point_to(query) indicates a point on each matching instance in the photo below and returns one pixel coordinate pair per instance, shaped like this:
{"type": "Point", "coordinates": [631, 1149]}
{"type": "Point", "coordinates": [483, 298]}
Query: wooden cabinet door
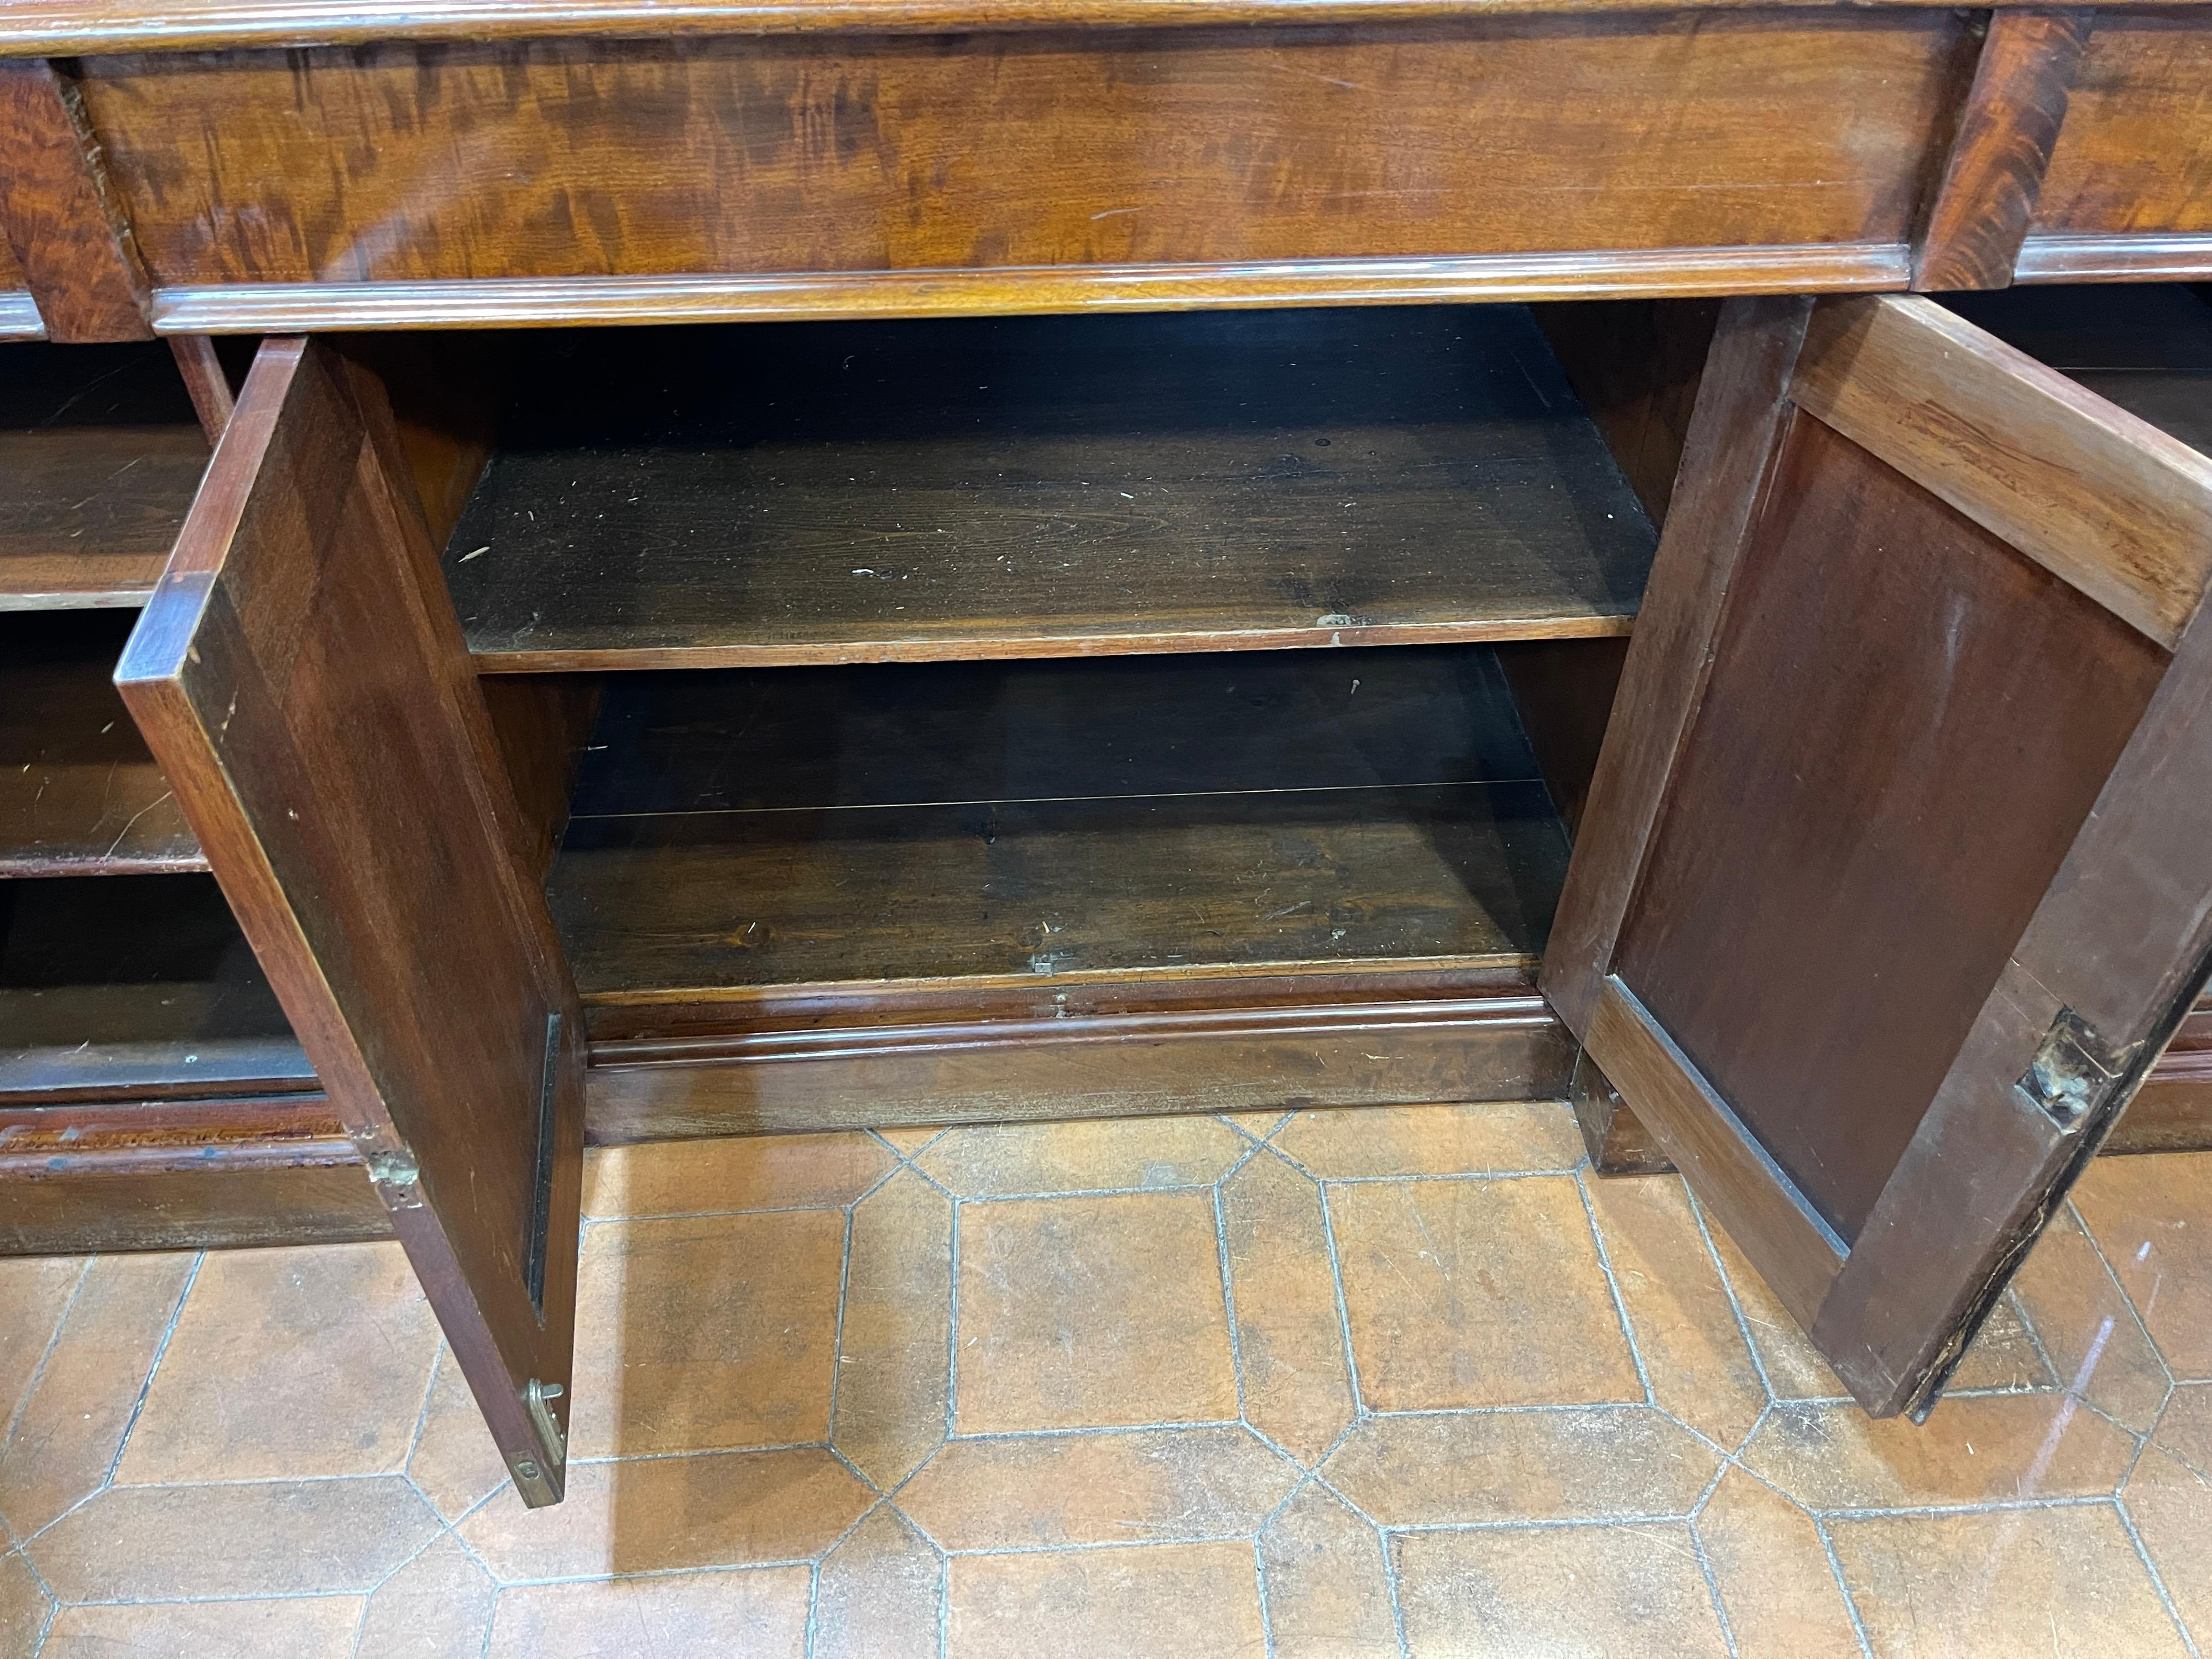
{"type": "Point", "coordinates": [301, 675]}
{"type": "Point", "coordinates": [1896, 874]}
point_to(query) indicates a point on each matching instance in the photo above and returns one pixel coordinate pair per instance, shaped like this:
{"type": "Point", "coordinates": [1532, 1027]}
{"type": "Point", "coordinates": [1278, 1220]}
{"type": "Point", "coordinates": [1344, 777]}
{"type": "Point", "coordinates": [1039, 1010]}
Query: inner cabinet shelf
{"type": "Point", "coordinates": [791, 494]}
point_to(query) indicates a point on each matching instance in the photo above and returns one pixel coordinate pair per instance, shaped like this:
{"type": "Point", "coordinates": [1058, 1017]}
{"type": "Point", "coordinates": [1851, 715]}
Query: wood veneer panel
{"type": "Point", "coordinates": [62, 222]}
{"type": "Point", "coordinates": [2134, 157]}
{"type": "Point", "coordinates": [100, 455]}
{"type": "Point", "coordinates": [79, 793]}
{"type": "Point", "coordinates": [1820, 938]}
{"type": "Point", "coordinates": [1058, 147]}
{"type": "Point", "coordinates": [826, 493]}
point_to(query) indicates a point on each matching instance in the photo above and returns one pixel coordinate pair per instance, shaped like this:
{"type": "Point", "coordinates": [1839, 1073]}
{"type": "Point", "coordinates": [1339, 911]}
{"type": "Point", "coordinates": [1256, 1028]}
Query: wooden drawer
{"type": "Point", "coordinates": [1891, 887]}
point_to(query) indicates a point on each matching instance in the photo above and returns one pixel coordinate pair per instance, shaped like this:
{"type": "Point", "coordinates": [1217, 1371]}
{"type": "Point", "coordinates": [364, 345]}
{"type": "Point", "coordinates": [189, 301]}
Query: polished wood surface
{"type": "Point", "coordinates": [70, 235]}
{"type": "Point", "coordinates": [100, 454]}
{"type": "Point", "coordinates": [1042, 487]}
{"type": "Point", "coordinates": [810, 153]}
{"type": "Point", "coordinates": [303, 682]}
{"type": "Point", "coordinates": [79, 794]}
{"type": "Point", "coordinates": [2118, 508]}
{"type": "Point", "coordinates": [2013, 116]}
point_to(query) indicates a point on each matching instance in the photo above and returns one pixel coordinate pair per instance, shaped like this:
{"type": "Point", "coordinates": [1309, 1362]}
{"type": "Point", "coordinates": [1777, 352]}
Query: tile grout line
{"type": "Point", "coordinates": [2157, 1578]}
{"type": "Point", "coordinates": [361, 1622]}
{"type": "Point", "coordinates": [1229, 1293]}
{"type": "Point", "coordinates": [1266, 1612]}
{"type": "Point", "coordinates": [1712, 1583]}
{"type": "Point", "coordinates": [2127, 1301]}
{"type": "Point", "coordinates": [1336, 1274]}
{"type": "Point", "coordinates": [1843, 1584]}
{"type": "Point", "coordinates": [951, 1333]}
{"type": "Point", "coordinates": [1728, 1288]}
{"type": "Point", "coordinates": [1619, 1302]}
{"type": "Point", "coordinates": [46, 1354]}
{"type": "Point", "coordinates": [154, 1369]}
{"type": "Point", "coordinates": [837, 1342]}
{"type": "Point", "coordinates": [1390, 1584]}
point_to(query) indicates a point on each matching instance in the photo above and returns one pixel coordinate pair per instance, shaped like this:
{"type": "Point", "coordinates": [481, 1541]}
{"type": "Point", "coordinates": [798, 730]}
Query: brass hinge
{"type": "Point", "coordinates": [539, 1479]}
{"type": "Point", "coordinates": [2074, 1072]}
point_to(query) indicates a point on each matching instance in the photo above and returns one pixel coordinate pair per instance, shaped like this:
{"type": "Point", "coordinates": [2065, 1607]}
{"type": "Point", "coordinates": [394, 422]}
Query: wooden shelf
{"type": "Point", "coordinates": [1049, 486]}
{"type": "Point", "coordinates": [1029, 821]}
{"type": "Point", "coordinates": [100, 456]}
{"type": "Point", "coordinates": [79, 794]}
{"type": "Point", "coordinates": [114, 988]}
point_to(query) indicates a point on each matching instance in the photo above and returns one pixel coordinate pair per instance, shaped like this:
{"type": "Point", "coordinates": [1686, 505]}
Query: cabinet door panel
{"type": "Point", "coordinates": [301, 679]}
{"type": "Point", "coordinates": [1897, 872]}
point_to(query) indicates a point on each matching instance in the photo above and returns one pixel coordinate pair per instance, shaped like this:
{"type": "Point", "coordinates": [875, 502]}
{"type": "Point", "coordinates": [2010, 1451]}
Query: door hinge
{"type": "Point", "coordinates": [540, 1478]}
{"type": "Point", "coordinates": [2074, 1072]}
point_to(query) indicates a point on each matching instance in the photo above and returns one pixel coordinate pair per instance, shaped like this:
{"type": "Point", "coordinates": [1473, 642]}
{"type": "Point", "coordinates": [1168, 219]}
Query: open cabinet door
{"type": "Point", "coordinates": [301, 677]}
{"type": "Point", "coordinates": [1896, 873]}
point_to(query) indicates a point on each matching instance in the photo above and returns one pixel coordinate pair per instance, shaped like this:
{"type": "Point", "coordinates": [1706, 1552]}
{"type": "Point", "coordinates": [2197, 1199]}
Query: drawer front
{"type": "Point", "coordinates": [1610, 137]}
{"type": "Point", "coordinates": [2129, 191]}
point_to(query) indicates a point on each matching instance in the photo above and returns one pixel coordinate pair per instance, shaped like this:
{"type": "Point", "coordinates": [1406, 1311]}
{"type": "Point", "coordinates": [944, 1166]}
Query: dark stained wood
{"type": "Point", "coordinates": [2172, 1111]}
{"type": "Point", "coordinates": [1635, 365]}
{"type": "Point", "coordinates": [79, 794]}
{"type": "Point", "coordinates": [542, 723]}
{"type": "Point", "coordinates": [1613, 1137]}
{"type": "Point", "coordinates": [1109, 147]}
{"type": "Point", "coordinates": [305, 686]}
{"type": "Point", "coordinates": [1733, 439]}
{"type": "Point", "coordinates": [70, 237]}
{"type": "Point", "coordinates": [100, 454]}
{"type": "Point", "coordinates": [2012, 119]}
{"type": "Point", "coordinates": [2131, 165]}
{"type": "Point", "coordinates": [1819, 935]}
{"type": "Point", "coordinates": [159, 1176]}
{"type": "Point", "coordinates": [1042, 487]}
{"type": "Point", "coordinates": [206, 379]}
{"type": "Point", "coordinates": [1565, 691]}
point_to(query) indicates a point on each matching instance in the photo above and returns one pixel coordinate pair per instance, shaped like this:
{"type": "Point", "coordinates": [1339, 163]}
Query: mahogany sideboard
{"type": "Point", "coordinates": [1129, 556]}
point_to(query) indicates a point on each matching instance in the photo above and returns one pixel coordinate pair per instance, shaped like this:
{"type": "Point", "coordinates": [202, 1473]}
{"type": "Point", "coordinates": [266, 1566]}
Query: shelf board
{"type": "Point", "coordinates": [100, 457]}
{"type": "Point", "coordinates": [79, 793]}
{"type": "Point", "coordinates": [1047, 486]}
{"type": "Point", "coordinates": [1026, 822]}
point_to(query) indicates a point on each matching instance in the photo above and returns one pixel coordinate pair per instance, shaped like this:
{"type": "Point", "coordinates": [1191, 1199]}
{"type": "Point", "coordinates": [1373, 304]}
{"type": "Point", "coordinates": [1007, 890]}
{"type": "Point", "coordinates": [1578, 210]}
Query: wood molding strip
{"type": "Point", "coordinates": [1797, 1252]}
{"type": "Point", "coordinates": [2006, 134]}
{"type": "Point", "coordinates": [213, 400]}
{"type": "Point", "coordinates": [19, 316]}
{"type": "Point", "coordinates": [296, 307]}
{"type": "Point", "coordinates": [68, 233]}
{"type": "Point", "coordinates": [2104, 500]}
{"type": "Point", "coordinates": [2121, 258]}
{"type": "Point", "coordinates": [1743, 412]}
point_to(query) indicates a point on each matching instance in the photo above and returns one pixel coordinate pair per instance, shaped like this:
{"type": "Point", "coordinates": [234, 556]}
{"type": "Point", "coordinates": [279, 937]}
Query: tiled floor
{"type": "Point", "coordinates": [1403, 1382]}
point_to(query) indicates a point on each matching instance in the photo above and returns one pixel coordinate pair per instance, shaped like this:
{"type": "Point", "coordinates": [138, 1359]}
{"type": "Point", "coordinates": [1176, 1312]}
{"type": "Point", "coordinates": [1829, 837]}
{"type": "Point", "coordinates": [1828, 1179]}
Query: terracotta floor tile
{"type": "Point", "coordinates": [436, 1606]}
{"type": "Point", "coordinates": [1700, 1368]}
{"type": "Point", "coordinates": [70, 1427]}
{"type": "Point", "coordinates": [1777, 1585]}
{"type": "Point", "coordinates": [1091, 1312]}
{"type": "Point", "coordinates": [24, 1605]}
{"type": "Point", "coordinates": [2064, 1582]}
{"type": "Point", "coordinates": [1552, 1591]}
{"type": "Point", "coordinates": [262, 1538]}
{"type": "Point", "coordinates": [455, 1461]}
{"type": "Point", "coordinates": [706, 1333]}
{"type": "Point", "coordinates": [1086, 1155]}
{"type": "Point", "coordinates": [1478, 1294]}
{"type": "Point", "coordinates": [1499, 1138]}
{"type": "Point", "coordinates": [1327, 1591]}
{"type": "Point", "coordinates": [665, 1514]}
{"type": "Point", "coordinates": [908, 1142]}
{"type": "Point", "coordinates": [1290, 1336]}
{"type": "Point", "coordinates": [1833, 1456]}
{"type": "Point", "coordinates": [2003, 1355]}
{"type": "Point", "coordinates": [1260, 1126]}
{"type": "Point", "coordinates": [2086, 1326]}
{"type": "Point", "coordinates": [2151, 1215]}
{"type": "Point", "coordinates": [1145, 1485]}
{"type": "Point", "coordinates": [895, 1365]}
{"type": "Point", "coordinates": [732, 1172]}
{"type": "Point", "coordinates": [1594, 1464]}
{"type": "Point", "coordinates": [760, 1613]}
{"type": "Point", "coordinates": [339, 1343]}
{"type": "Point", "coordinates": [1164, 1601]}
{"type": "Point", "coordinates": [881, 1592]}
{"type": "Point", "coordinates": [301, 1628]}
{"type": "Point", "coordinates": [2169, 1497]}
{"type": "Point", "coordinates": [33, 1291]}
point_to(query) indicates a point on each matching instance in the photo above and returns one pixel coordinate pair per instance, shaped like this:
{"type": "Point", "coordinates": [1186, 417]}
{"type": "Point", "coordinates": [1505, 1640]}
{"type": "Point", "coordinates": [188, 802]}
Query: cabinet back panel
{"type": "Point", "coordinates": [1906, 724]}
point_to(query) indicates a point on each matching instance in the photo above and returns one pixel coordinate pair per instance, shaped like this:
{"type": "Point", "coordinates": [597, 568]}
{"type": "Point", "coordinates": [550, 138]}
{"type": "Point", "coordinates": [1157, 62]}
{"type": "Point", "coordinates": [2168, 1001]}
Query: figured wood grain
{"type": "Point", "coordinates": [2104, 501]}
{"type": "Point", "coordinates": [294, 307]}
{"type": "Point", "coordinates": [1796, 1251]}
{"type": "Point", "coordinates": [978, 151]}
{"type": "Point", "coordinates": [79, 794]}
{"type": "Point", "coordinates": [100, 454]}
{"type": "Point", "coordinates": [1905, 725]}
{"type": "Point", "coordinates": [304, 685]}
{"type": "Point", "coordinates": [1743, 412]}
{"type": "Point", "coordinates": [1037, 487]}
{"type": "Point", "coordinates": [2134, 161]}
{"type": "Point", "coordinates": [70, 237]}
{"type": "Point", "coordinates": [2013, 115]}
